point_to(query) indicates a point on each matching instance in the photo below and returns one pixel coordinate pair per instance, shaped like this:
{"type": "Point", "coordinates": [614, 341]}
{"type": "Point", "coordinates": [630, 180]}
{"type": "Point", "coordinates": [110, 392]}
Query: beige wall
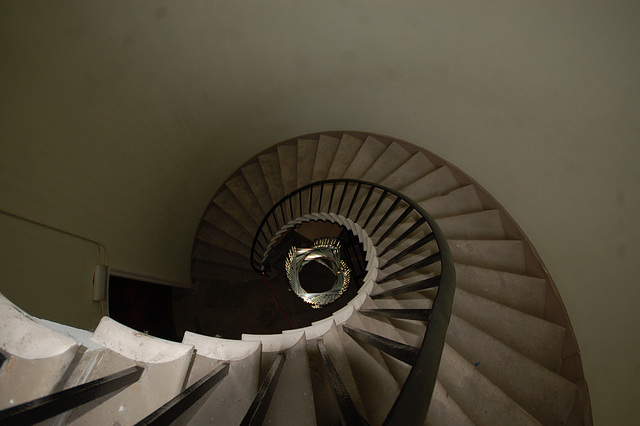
{"type": "Point", "coordinates": [119, 120]}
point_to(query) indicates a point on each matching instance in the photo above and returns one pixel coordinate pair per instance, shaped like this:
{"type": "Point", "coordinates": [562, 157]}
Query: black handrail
{"type": "Point", "coordinates": [412, 403]}
{"type": "Point", "coordinates": [48, 406]}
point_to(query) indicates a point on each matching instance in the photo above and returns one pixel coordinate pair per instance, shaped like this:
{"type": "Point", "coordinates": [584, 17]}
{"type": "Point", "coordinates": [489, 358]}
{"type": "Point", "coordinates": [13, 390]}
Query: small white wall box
{"type": "Point", "coordinates": [100, 282]}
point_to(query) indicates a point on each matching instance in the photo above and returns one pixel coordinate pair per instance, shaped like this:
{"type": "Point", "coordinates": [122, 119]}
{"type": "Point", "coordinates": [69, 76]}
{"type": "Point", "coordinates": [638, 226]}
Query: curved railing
{"type": "Point", "coordinates": [380, 208]}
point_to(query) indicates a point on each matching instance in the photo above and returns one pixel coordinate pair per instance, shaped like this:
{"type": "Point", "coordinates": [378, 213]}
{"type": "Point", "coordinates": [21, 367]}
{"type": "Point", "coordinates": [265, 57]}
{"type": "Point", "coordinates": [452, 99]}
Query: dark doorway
{"type": "Point", "coordinates": [142, 306]}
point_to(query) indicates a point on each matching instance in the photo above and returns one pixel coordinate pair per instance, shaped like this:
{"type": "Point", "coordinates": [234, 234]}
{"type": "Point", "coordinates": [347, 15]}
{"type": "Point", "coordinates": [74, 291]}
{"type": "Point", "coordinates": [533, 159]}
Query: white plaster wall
{"type": "Point", "coordinates": [119, 119]}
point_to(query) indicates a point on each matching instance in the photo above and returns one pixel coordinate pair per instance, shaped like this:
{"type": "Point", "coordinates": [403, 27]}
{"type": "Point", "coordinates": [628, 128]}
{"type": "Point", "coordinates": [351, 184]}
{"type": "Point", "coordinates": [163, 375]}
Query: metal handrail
{"type": "Point", "coordinates": [413, 401]}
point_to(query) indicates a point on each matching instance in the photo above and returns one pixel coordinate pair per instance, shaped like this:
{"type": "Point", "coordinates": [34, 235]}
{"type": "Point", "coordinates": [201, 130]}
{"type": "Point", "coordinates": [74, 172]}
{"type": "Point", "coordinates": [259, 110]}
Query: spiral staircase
{"type": "Point", "coordinates": [509, 356]}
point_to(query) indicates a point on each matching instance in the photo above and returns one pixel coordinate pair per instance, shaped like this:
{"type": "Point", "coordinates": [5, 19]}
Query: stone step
{"type": "Point", "coordinates": [412, 170]}
{"type": "Point", "coordinates": [482, 401]}
{"type": "Point", "coordinates": [211, 253]}
{"type": "Point", "coordinates": [307, 149]}
{"type": "Point", "coordinates": [327, 148]}
{"type": "Point", "coordinates": [383, 327]}
{"type": "Point", "coordinates": [255, 178]}
{"type": "Point", "coordinates": [367, 155]}
{"type": "Point", "coordinates": [38, 356]}
{"type": "Point", "coordinates": [505, 255]}
{"type": "Point", "coordinates": [533, 337]}
{"type": "Point", "coordinates": [270, 165]}
{"type": "Point", "coordinates": [227, 402]}
{"type": "Point", "coordinates": [520, 292]}
{"type": "Point", "coordinates": [241, 190]}
{"type": "Point", "coordinates": [439, 182]}
{"type": "Point", "coordinates": [220, 219]}
{"type": "Point", "coordinates": [460, 201]}
{"type": "Point", "coordinates": [347, 150]}
{"type": "Point", "coordinates": [444, 410]}
{"type": "Point", "coordinates": [484, 225]}
{"type": "Point", "coordinates": [288, 159]}
{"type": "Point", "coordinates": [166, 366]}
{"type": "Point", "coordinates": [545, 395]}
{"type": "Point", "coordinates": [216, 237]}
{"type": "Point", "coordinates": [537, 339]}
{"type": "Point", "coordinates": [392, 158]}
{"type": "Point", "coordinates": [292, 402]}
{"type": "Point", "coordinates": [230, 204]}
{"type": "Point", "coordinates": [327, 410]}
{"type": "Point", "coordinates": [376, 384]}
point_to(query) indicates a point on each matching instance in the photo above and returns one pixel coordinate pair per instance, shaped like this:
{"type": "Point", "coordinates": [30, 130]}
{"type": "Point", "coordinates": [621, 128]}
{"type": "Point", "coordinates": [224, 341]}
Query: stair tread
{"type": "Point", "coordinates": [439, 182]}
{"type": "Point", "coordinates": [38, 356]}
{"type": "Point", "coordinates": [255, 178]}
{"type": "Point", "coordinates": [166, 366]}
{"type": "Point", "coordinates": [376, 384]}
{"type": "Point", "coordinates": [391, 159]}
{"type": "Point", "coordinates": [230, 204]}
{"type": "Point", "coordinates": [533, 337]}
{"type": "Point", "coordinates": [288, 158]}
{"type": "Point", "coordinates": [413, 169]}
{"type": "Point", "coordinates": [480, 399]}
{"type": "Point", "coordinates": [501, 255]}
{"type": "Point", "coordinates": [327, 409]}
{"type": "Point", "coordinates": [227, 402]}
{"type": "Point", "coordinates": [292, 402]}
{"type": "Point", "coordinates": [483, 225]}
{"type": "Point", "coordinates": [545, 395]}
{"type": "Point", "coordinates": [307, 149]}
{"type": "Point", "coordinates": [347, 150]}
{"type": "Point", "coordinates": [521, 292]}
{"type": "Point", "coordinates": [216, 237]}
{"type": "Point", "coordinates": [241, 190]}
{"type": "Point", "coordinates": [210, 253]}
{"type": "Point", "coordinates": [537, 339]}
{"type": "Point", "coordinates": [383, 327]}
{"type": "Point", "coordinates": [327, 147]}
{"type": "Point", "coordinates": [270, 165]}
{"type": "Point", "coordinates": [220, 219]}
{"type": "Point", "coordinates": [444, 409]}
{"type": "Point", "coordinates": [369, 152]}
{"type": "Point", "coordinates": [460, 201]}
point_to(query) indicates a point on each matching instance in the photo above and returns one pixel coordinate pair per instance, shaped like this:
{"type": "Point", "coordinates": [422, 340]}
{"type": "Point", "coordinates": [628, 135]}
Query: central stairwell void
{"type": "Point", "coordinates": [450, 318]}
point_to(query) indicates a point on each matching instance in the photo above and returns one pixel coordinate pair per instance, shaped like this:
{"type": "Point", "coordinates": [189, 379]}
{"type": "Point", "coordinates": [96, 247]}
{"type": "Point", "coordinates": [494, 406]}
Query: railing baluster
{"type": "Point", "coordinates": [284, 219]}
{"type": "Point", "coordinates": [258, 410]}
{"type": "Point", "coordinates": [386, 215]}
{"type": "Point", "coordinates": [375, 208]}
{"type": "Point", "coordinates": [348, 411]}
{"type": "Point", "coordinates": [413, 247]}
{"type": "Point", "coordinates": [353, 199]}
{"type": "Point", "coordinates": [364, 203]}
{"type": "Point", "coordinates": [411, 314]}
{"type": "Point", "coordinates": [404, 235]}
{"type": "Point", "coordinates": [49, 406]}
{"type": "Point", "coordinates": [405, 353]}
{"type": "Point", "coordinates": [395, 224]}
{"type": "Point", "coordinates": [344, 192]}
{"type": "Point", "coordinates": [300, 200]}
{"type": "Point", "coordinates": [333, 190]}
{"type": "Point", "coordinates": [320, 200]}
{"type": "Point", "coordinates": [409, 288]}
{"type": "Point", "coordinates": [269, 226]}
{"type": "Point", "coordinates": [293, 216]}
{"type": "Point", "coordinates": [173, 409]}
{"type": "Point", "coordinates": [414, 267]}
